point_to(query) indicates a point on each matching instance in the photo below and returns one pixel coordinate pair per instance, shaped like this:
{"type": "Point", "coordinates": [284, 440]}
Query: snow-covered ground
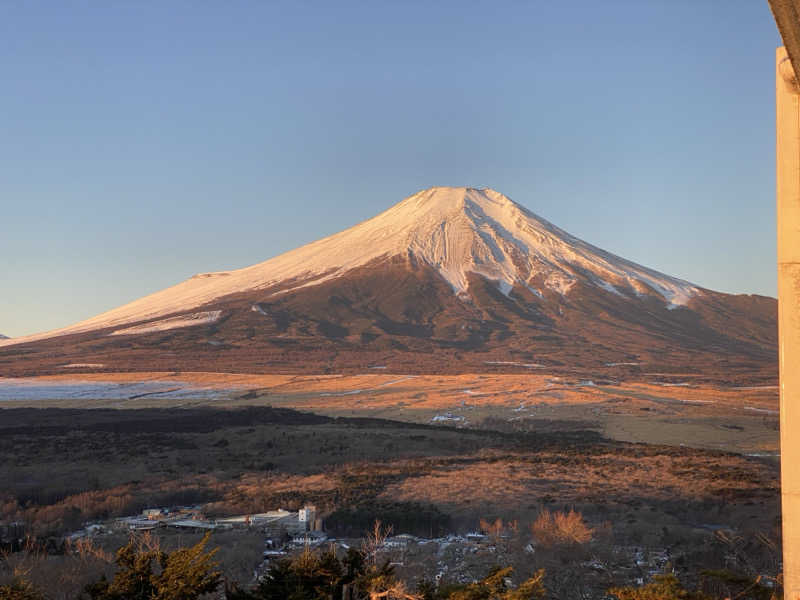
{"type": "Point", "coordinates": [200, 318]}
{"type": "Point", "coordinates": [37, 389]}
{"type": "Point", "coordinates": [455, 230]}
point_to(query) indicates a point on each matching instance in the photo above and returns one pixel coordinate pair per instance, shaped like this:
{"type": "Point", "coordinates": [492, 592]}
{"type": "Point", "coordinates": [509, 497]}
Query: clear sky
{"type": "Point", "coordinates": [143, 142]}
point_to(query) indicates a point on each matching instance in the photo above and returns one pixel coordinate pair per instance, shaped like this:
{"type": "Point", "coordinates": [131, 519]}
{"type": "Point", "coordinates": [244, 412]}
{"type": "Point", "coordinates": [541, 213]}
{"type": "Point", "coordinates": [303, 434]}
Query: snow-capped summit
{"type": "Point", "coordinates": [465, 230]}
{"type": "Point", "coordinates": [454, 230]}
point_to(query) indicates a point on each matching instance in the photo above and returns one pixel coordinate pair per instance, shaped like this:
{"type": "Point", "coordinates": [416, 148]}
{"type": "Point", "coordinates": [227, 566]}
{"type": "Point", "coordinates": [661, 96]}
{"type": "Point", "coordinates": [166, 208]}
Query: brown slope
{"type": "Point", "coordinates": [404, 316]}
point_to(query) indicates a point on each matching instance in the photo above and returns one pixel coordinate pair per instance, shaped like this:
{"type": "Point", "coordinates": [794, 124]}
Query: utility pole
{"type": "Point", "coordinates": [787, 152]}
{"type": "Point", "coordinates": [787, 186]}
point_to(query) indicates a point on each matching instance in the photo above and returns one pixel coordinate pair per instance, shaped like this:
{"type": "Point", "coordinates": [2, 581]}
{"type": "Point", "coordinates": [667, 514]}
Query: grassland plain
{"type": "Point", "coordinates": [65, 466]}
{"type": "Point", "coordinates": [661, 463]}
{"type": "Point", "coordinates": [655, 408]}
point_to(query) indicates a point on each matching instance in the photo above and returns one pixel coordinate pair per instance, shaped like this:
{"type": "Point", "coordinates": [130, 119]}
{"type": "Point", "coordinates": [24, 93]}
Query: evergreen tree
{"type": "Point", "coordinates": [663, 587]}
{"type": "Point", "coordinates": [186, 573]}
{"type": "Point", "coordinates": [134, 577]}
{"type": "Point", "coordinates": [146, 573]}
{"type": "Point", "coordinates": [309, 576]}
{"type": "Point", "coordinates": [19, 590]}
{"type": "Point", "coordinates": [492, 587]}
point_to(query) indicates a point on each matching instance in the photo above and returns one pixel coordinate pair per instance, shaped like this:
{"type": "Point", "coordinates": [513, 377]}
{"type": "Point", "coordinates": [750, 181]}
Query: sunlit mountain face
{"type": "Point", "coordinates": [447, 280]}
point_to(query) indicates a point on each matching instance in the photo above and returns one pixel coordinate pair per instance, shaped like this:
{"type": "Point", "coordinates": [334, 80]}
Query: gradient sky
{"type": "Point", "coordinates": [143, 142]}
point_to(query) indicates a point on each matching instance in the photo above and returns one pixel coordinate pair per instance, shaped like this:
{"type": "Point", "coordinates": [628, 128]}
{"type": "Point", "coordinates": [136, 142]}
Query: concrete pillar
{"type": "Point", "coordinates": [788, 208]}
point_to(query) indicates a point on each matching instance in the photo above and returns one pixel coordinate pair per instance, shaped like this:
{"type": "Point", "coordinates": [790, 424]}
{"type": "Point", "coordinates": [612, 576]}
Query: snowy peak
{"type": "Point", "coordinates": [457, 231]}
{"type": "Point", "coordinates": [465, 230]}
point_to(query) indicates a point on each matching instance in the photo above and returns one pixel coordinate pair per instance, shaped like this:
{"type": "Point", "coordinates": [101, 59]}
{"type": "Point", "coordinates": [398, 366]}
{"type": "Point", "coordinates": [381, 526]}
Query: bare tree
{"type": "Point", "coordinates": [374, 541]}
{"type": "Point", "coordinates": [397, 592]}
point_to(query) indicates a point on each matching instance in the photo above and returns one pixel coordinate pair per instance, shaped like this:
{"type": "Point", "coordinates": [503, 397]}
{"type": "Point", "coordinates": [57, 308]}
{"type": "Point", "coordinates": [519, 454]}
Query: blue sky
{"type": "Point", "coordinates": [143, 142]}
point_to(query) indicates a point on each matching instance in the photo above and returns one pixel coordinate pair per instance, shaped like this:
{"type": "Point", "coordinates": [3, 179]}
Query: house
{"type": "Point", "coordinates": [195, 525]}
{"type": "Point", "coordinates": [307, 517]}
{"type": "Point", "coordinates": [309, 538]}
{"type": "Point", "coordinates": [154, 514]}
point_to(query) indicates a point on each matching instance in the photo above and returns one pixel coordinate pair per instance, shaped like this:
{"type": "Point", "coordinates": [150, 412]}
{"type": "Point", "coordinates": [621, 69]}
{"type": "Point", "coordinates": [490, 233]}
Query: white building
{"type": "Point", "coordinates": [307, 516]}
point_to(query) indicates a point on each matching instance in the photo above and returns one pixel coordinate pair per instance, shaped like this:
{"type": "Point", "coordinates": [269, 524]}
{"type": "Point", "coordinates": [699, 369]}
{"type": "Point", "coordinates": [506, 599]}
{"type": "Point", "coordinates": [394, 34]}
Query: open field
{"type": "Point", "coordinates": [62, 467]}
{"type": "Point", "coordinates": [662, 465]}
{"type": "Point", "coordinates": [670, 409]}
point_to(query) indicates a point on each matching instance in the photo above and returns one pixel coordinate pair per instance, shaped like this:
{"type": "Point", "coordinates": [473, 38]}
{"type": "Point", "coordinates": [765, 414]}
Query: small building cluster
{"type": "Point", "coordinates": [274, 523]}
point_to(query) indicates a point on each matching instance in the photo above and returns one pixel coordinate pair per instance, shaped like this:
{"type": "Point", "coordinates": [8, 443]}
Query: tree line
{"type": "Point", "coordinates": [145, 572]}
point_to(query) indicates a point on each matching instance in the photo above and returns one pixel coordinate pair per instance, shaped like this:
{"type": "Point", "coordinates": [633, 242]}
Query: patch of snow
{"type": "Point", "coordinates": [474, 393]}
{"type": "Point", "coordinates": [190, 320]}
{"type": "Point", "coordinates": [757, 387]}
{"type": "Point", "coordinates": [42, 389]}
{"type": "Point", "coordinates": [82, 366]}
{"type": "Point", "coordinates": [622, 364]}
{"type": "Point", "coordinates": [356, 392]}
{"type": "Point", "coordinates": [762, 410]}
{"type": "Point", "coordinates": [559, 282]}
{"type": "Point", "coordinates": [513, 364]}
{"type": "Point", "coordinates": [534, 291]}
{"type": "Point", "coordinates": [682, 401]}
{"type": "Point", "coordinates": [447, 418]}
{"type": "Point", "coordinates": [388, 383]}
{"type": "Point", "coordinates": [378, 367]}
{"type": "Point", "coordinates": [505, 287]}
{"type": "Point", "coordinates": [608, 287]}
{"type": "Point", "coordinates": [664, 384]}
{"type": "Point", "coordinates": [455, 230]}
{"type": "Point", "coordinates": [257, 308]}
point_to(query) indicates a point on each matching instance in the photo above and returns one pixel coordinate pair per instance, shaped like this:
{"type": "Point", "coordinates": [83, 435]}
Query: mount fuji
{"type": "Point", "coordinates": [449, 279]}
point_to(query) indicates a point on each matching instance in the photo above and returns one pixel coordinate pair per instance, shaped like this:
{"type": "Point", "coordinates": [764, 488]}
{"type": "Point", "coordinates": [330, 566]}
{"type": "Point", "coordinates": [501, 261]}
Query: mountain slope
{"type": "Point", "coordinates": [456, 231]}
{"type": "Point", "coordinates": [448, 275]}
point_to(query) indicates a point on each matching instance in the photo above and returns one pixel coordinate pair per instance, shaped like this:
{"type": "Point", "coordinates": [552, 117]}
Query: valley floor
{"type": "Point", "coordinates": [671, 410]}
{"type": "Point", "coordinates": [662, 467]}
